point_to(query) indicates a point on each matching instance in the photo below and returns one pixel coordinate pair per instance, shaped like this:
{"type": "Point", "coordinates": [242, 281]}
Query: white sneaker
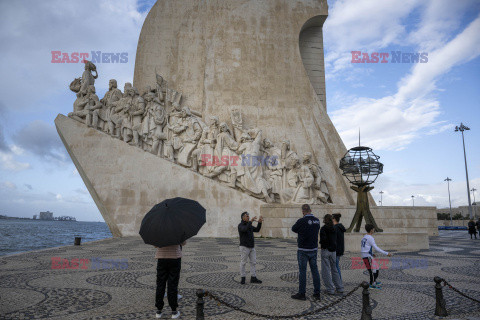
{"type": "Point", "coordinates": [158, 315]}
{"type": "Point", "coordinates": [176, 315]}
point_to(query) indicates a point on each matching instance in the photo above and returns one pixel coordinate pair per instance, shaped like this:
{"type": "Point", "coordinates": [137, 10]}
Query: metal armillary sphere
{"type": "Point", "coordinates": [361, 167]}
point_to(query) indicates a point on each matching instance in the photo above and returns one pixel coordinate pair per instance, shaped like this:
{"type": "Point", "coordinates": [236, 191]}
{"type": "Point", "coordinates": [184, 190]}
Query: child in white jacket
{"type": "Point", "coordinates": [367, 246]}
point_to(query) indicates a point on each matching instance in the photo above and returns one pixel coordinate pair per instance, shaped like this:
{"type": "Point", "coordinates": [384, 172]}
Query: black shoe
{"type": "Point", "coordinates": [299, 296]}
{"type": "Point", "coordinates": [254, 280]}
{"type": "Point", "coordinates": [243, 280]}
{"type": "Point", "coordinates": [316, 296]}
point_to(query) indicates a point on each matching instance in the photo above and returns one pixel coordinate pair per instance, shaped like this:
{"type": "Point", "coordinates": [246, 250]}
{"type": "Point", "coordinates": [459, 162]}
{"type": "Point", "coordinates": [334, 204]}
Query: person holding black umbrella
{"type": "Point", "coordinates": [247, 246]}
{"type": "Point", "coordinates": [169, 264]}
{"type": "Point", "coordinates": [166, 226]}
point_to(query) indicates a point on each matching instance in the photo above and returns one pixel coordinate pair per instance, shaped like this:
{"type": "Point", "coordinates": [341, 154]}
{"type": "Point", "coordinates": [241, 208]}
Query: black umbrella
{"type": "Point", "coordinates": [172, 221]}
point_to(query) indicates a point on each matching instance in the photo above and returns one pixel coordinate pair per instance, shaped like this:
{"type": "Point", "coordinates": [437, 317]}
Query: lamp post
{"type": "Point", "coordinates": [381, 198]}
{"type": "Point", "coordinates": [449, 202]}
{"type": "Point", "coordinates": [462, 128]}
{"type": "Point", "coordinates": [413, 201]}
{"type": "Point", "coordinates": [474, 201]}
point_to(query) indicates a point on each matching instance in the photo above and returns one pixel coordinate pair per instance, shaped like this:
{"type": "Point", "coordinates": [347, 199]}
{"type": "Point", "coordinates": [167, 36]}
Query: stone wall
{"type": "Point", "coordinates": [280, 218]}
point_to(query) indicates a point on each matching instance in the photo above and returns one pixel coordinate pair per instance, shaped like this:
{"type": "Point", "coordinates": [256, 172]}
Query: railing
{"type": "Point", "coordinates": [440, 306]}
{"type": "Point", "coordinates": [366, 308]}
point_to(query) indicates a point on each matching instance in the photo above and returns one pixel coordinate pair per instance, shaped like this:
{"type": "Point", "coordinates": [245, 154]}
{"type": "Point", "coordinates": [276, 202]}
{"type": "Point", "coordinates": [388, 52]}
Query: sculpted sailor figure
{"type": "Point", "coordinates": [118, 113]}
{"type": "Point", "coordinates": [102, 115]}
{"type": "Point", "coordinates": [274, 169]}
{"type": "Point", "coordinates": [136, 111]}
{"type": "Point", "coordinates": [174, 118]}
{"type": "Point", "coordinates": [186, 133]}
{"type": "Point", "coordinates": [92, 105]}
{"type": "Point", "coordinates": [205, 151]}
{"type": "Point", "coordinates": [252, 177]}
{"type": "Point", "coordinates": [224, 149]}
{"type": "Point", "coordinates": [299, 182]}
{"type": "Point", "coordinates": [88, 79]}
{"type": "Point", "coordinates": [153, 124]}
{"type": "Point", "coordinates": [320, 186]}
{"type": "Point", "coordinates": [79, 112]}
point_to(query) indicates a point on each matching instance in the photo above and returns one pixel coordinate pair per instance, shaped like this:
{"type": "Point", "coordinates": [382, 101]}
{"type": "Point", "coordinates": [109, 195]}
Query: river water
{"type": "Point", "coordinates": [26, 235]}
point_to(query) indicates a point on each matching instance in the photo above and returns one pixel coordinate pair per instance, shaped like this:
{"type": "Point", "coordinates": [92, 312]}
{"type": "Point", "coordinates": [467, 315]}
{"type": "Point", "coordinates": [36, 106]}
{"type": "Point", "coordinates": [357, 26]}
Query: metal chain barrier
{"type": "Point", "coordinates": [231, 306]}
{"type": "Point", "coordinates": [445, 283]}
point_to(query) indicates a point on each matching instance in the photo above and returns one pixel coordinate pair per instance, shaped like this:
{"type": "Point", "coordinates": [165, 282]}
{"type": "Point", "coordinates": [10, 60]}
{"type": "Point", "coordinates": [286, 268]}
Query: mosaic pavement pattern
{"type": "Point", "coordinates": [31, 289]}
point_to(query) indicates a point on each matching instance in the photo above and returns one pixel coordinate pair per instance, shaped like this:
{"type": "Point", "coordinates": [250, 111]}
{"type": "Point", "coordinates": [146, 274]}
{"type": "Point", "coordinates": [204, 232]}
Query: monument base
{"type": "Point", "coordinates": [406, 228]}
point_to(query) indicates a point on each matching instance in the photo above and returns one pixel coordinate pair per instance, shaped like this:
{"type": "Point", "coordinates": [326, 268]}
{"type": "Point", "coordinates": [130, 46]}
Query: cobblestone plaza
{"type": "Point", "coordinates": [31, 289]}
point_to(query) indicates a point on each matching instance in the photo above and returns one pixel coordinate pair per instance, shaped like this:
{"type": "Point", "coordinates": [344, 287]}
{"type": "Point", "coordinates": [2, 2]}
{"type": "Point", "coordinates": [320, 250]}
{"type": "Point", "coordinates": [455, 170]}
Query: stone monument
{"type": "Point", "coordinates": [227, 107]}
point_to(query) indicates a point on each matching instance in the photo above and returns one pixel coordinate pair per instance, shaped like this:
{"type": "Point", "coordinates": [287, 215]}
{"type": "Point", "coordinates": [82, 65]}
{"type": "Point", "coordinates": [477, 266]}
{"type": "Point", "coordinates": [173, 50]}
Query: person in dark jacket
{"type": "Point", "coordinates": [307, 229]}
{"type": "Point", "coordinates": [328, 243]}
{"type": "Point", "coordinates": [247, 246]}
{"type": "Point", "coordinates": [471, 229]}
{"type": "Point", "coordinates": [340, 230]}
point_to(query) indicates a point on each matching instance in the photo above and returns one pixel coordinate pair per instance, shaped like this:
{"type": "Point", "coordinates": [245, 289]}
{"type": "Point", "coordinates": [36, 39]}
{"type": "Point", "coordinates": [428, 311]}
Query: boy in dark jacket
{"type": "Point", "coordinates": [340, 230]}
{"type": "Point", "coordinates": [328, 243]}
{"type": "Point", "coordinates": [307, 229]}
{"type": "Point", "coordinates": [247, 246]}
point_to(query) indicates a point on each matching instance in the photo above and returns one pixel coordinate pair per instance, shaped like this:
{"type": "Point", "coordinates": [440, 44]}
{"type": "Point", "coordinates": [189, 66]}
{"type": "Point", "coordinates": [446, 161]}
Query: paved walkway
{"type": "Point", "coordinates": [31, 289]}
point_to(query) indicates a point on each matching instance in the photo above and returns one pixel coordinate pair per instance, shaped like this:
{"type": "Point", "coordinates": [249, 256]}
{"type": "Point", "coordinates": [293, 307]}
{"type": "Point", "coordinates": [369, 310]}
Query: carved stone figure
{"type": "Point", "coordinates": [119, 112]}
{"type": "Point", "coordinates": [251, 176]}
{"type": "Point", "coordinates": [79, 112]}
{"type": "Point", "coordinates": [102, 115]}
{"type": "Point", "coordinates": [92, 105]}
{"type": "Point", "coordinates": [274, 167]}
{"type": "Point", "coordinates": [224, 149]}
{"type": "Point", "coordinates": [136, 111]}
{"type": "Point", "coordinates": [88, 79]}
{"type": "Point", "coordinates": [186, 133]}
{"type": "Point", "coordinates": [319, 185]}
{"type": "Point", "coordinates": [205, 151]}
{"type": "Point", "coordinates": [153, 124]}
{"type": "Point", "coordinates": [299, 182]}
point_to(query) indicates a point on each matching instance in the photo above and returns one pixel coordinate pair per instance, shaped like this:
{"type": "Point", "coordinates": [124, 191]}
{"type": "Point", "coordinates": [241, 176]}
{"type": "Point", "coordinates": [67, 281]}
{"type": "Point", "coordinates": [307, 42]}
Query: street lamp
{"type": "Point", "coordinates": [381, 198]}
{"type": "Point", "coordinates": [449, 202]}
{"type": "Point", "coordinates": [462, 128]}
{"type": "Point", "coordinates": [413, 201]}
{"type": "Point", "coordinates": [474, 201]}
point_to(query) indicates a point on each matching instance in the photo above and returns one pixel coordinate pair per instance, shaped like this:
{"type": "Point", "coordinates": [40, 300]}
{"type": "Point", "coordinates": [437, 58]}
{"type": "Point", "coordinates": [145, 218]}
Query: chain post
{"type": "Point", "coordinates": [440, 307]}
{"type": "Point", "coordinates": [200, 305]}
{"type": "Point", "coordinates": [366, 308]}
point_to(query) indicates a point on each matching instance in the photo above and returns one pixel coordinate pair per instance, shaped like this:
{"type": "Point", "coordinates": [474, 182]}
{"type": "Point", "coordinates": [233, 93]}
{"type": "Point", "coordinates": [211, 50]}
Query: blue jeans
{"type": "Point", "coordinates": [309, 257]}
{"type": "Point", "coordinates": [337, 263]}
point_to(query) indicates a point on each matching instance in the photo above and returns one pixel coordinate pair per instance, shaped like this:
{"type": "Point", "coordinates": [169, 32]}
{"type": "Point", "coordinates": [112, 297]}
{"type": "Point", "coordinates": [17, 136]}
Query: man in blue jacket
{"type": "Point", "coordinates": [307, 229]}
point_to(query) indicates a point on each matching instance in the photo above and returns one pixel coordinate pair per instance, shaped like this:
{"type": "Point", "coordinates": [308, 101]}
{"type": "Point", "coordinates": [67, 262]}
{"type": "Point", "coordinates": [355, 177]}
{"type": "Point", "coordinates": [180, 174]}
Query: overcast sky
{"type": "Point", "coordinates": [407, 112]}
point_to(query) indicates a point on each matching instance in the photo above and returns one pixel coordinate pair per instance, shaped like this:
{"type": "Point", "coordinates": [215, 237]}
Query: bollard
{"type": "Point", "coordinates": [200, 305]}
{"type": "Point", "coordinates": [78, 240]}
{"type": "Point", "coordinates": [366, 308]}
{"type": "Point", "coordinates": [440, 307]}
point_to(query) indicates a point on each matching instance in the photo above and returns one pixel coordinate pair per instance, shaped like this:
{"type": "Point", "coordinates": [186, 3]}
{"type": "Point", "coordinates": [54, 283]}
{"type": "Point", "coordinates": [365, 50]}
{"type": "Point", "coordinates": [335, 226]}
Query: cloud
{"type": "Point", "coordinates": [8, 162]}
{"type": "Point", "coordinates": [67, 26]}
{"type": "Point", "coordinates": [360, 25]}
{"type": "Point", "coordinates": [10, 185]}
{"type": "Point", "coordinates": [411, 110]}
{"type": "Point", "coordinates": [397, 193]}
{"type": "Point", "coordinates": [3, 143]}
{"type": "Point", "coordinates": [41, 139]}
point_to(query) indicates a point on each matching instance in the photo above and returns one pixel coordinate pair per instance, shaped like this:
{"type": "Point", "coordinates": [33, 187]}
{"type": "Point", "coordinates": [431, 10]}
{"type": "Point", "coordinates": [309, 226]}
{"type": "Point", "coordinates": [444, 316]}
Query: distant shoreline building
{"type": "Point", "coordinates": [47, 215]}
